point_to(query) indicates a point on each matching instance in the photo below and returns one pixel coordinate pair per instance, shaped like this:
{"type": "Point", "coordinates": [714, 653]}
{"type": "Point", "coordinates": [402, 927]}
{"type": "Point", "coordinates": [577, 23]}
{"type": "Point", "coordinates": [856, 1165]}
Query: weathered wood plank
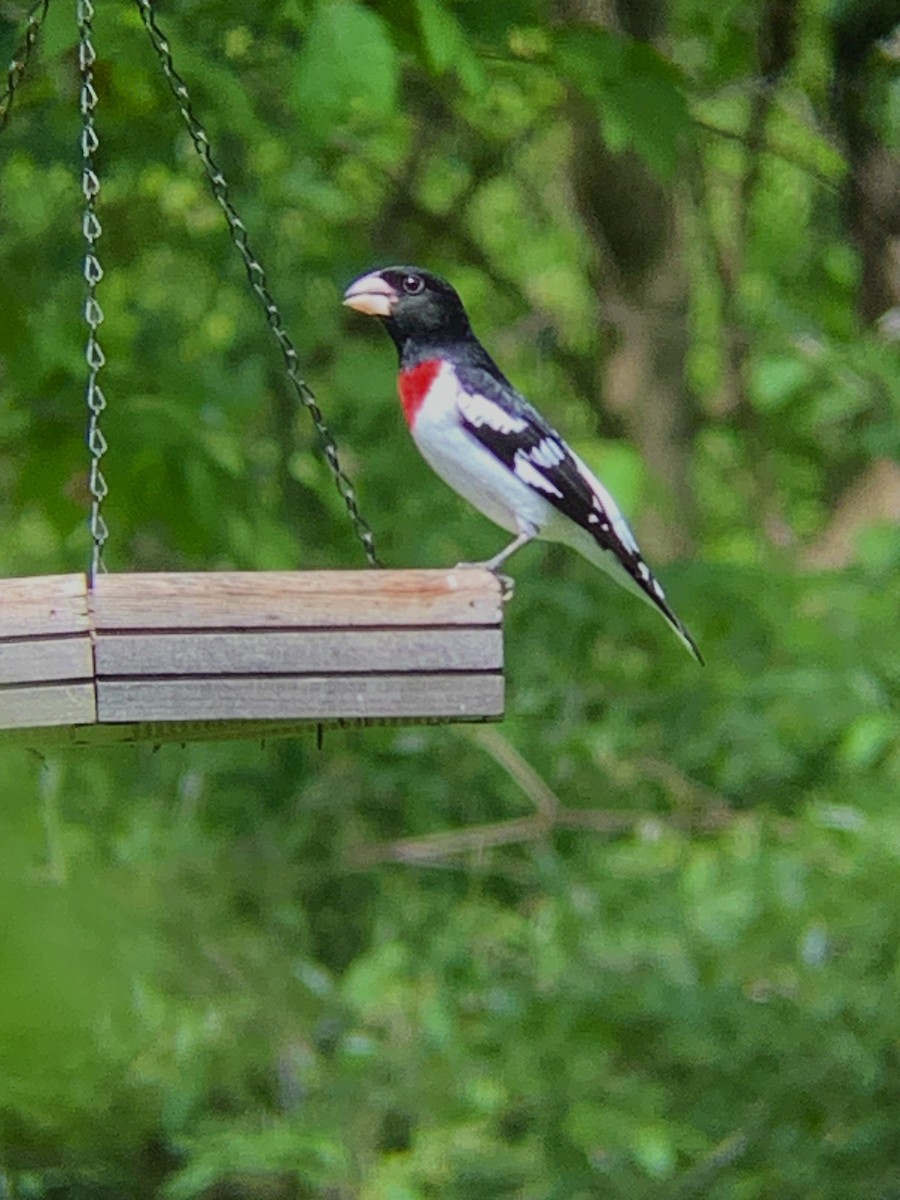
{"type": "Point", "coordinates": [43, 605]}
{"type": "Point", "coordinates": [40, 660]}
{"type": "Point", "coordinates": [275, 653]}
{"type": "Point", "coordinates": [247, 654]}
{"type": "Point", "coordinates": [296, 599]}
{"type": "Point", "coordinates": [47, 705]}
{"type": "Point", "coordinates": [161, 732]}
{"type": "Point", "coordinates": [310, 698]}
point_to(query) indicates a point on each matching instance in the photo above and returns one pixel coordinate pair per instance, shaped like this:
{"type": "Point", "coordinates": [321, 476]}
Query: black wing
{"type": "Point", "coordinates": [502, 420]}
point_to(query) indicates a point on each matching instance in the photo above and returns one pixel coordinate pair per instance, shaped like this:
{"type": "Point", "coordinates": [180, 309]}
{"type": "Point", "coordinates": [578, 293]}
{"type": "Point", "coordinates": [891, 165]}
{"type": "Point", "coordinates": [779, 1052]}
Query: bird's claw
{"type": "Point", "coordinates": [507, 587]}
{"type": "Point", "coordinates": [507, 583]}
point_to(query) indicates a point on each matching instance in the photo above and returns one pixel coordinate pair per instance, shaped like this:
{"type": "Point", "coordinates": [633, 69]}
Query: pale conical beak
{"type": "Point", "coordinates": [372, 295]}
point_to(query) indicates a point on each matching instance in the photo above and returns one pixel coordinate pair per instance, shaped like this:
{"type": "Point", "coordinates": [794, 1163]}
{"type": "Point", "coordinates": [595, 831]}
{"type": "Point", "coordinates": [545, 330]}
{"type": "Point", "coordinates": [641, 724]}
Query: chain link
{"type": "Point", "coordinates": [19, 61]}
{"type": "Point", "coordinates": [93, 273]}
{"type": "Point", "coordinates": [258, 280]}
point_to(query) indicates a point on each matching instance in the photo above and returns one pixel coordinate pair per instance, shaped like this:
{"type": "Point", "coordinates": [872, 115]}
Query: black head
{"type": "Point", "coordinates": [419, 310]}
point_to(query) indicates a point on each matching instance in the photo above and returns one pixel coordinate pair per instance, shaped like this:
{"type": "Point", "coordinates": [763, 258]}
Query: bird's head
{"type": "Point", "coordinates": [415, 306]}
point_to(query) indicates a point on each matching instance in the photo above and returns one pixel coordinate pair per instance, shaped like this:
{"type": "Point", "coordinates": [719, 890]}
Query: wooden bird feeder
{"type": "Point", "coordinates": [245, 654]}
{"type": "Point", "coordinates": [103, 658]}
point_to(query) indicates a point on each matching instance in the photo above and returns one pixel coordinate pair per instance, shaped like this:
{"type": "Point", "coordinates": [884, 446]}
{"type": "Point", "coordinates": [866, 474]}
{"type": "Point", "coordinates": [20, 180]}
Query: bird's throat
{"type": "Point", "coordinates": [414, 383]}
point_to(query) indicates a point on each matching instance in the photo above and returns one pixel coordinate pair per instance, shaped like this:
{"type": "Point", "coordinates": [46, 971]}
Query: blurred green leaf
{"type": "Point", "coordinates": [776, 381]}
{"type": "Point", "coordinates": [638, 95]}
{"type": "Point", "coordinates": [867, 738]}
{"type": "Point", "coordinates": [445, 44]}
{"type": "Point", "coordinates": [347, 69]}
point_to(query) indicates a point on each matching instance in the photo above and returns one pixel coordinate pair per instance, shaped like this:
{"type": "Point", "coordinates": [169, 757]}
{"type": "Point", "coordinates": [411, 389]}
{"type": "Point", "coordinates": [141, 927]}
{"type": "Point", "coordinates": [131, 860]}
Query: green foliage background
{"type": "Point", "coordinates": [274, 971]}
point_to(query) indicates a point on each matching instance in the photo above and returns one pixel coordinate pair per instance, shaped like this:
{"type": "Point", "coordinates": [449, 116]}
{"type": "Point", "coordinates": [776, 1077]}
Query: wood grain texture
{"type": "Point", "coordinates": [167, 732]}
{"type": "Point", "coordinates": [307, 699]}
{"type": "Point", "coordinates": [274, 653]}
{"type": "Point", "coordinates": [43, 605]}
{"type": "Point", "coordinates": [296, 599]}
{"type": "Point", "coordinates": [245, 654]}
{"type": "Point", "coordinates": [47, 705]}
{"type": "Point", "coordinates": [43, 660]}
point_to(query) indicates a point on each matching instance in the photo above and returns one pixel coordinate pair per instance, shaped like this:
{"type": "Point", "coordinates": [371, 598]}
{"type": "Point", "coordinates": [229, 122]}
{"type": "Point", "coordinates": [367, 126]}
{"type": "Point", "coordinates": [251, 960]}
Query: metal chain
{"type": "Point", "coordinates": [258, 280]}
{"type": "Point", "coordinates": [19, 61]}
{"type": "Point", "coordinates": [93, 273]}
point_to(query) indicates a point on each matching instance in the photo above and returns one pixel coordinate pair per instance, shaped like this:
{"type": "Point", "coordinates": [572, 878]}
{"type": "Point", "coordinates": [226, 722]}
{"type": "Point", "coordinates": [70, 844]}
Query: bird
{"type": "Point", "coordinates": [484, 439]}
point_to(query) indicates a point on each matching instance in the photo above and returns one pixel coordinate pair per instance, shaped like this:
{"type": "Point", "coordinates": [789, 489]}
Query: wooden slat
{"type": "Point", "coordinates": [311, 698]}
{"type": "Point", "coordinates": [296, 600]}
{"type": "Point", "coordinates": [245, 654]}
{"type": "Point", "coordinates": [253, 652]}
{"type": "Point", "coordinates": [162, 732]}
{"type": "Point", "coordinates": [47, 705]}
{"type": "Point", "coordinates": [39, 660]}
{"type": "Point", "coordinates": [44, 605]}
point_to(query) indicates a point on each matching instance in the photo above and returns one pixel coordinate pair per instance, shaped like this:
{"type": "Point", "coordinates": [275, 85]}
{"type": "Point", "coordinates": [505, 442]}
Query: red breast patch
{"type": "Point", "coordinates": [413, 385]}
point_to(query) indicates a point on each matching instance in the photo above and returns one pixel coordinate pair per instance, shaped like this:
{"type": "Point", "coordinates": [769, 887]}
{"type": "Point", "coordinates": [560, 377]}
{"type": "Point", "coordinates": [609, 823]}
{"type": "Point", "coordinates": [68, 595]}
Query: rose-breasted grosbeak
{"type": "Point", "coordinates": [488, 443]}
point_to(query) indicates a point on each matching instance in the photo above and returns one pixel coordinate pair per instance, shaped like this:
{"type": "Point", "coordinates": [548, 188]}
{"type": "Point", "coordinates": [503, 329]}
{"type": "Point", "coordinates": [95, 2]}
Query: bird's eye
{"type": "Point", "coordinates": [413, 284]}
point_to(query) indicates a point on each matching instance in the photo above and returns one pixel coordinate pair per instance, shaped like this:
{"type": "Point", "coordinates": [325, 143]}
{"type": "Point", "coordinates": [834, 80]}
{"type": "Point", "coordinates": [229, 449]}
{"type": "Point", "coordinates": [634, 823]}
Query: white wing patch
{"type": "Point", "coordinates": [608, 515]}
{"type": "Point", "coordinates": [655, 585]}
{"type": "Point", "coordinates": [547, 453]}
{"type": "Point", "coordinates": [528, 473]}
{"type": "Point", "coordinates": [478, 410]}
{"type": "Point", "coordinates": [529, 467]}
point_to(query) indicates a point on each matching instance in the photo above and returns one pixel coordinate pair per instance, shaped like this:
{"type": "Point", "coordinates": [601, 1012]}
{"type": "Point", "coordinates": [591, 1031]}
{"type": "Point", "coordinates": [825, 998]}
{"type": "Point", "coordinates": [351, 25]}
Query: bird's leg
{"type": "Point", "coordinates": [499, 559]}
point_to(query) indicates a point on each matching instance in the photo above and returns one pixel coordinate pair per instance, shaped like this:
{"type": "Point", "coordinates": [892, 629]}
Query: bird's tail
{"type": "Point", "coordinates": [651, 592]}
{"type": "Point", "coordinates": [641, 582]}
{"type": "Point", "coordinates": [681, 631]}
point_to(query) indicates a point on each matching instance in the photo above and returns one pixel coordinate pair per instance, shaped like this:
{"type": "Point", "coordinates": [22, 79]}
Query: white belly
{"type": "Point", "coordinates": [471, 470]}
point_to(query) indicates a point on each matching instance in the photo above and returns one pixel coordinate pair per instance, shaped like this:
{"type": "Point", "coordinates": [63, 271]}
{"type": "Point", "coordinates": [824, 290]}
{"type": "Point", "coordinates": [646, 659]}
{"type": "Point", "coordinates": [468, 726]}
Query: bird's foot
{"type": "Point", "coordinates": [507, 583]}
{"type": "Point", "coordinates": [507, 587]}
